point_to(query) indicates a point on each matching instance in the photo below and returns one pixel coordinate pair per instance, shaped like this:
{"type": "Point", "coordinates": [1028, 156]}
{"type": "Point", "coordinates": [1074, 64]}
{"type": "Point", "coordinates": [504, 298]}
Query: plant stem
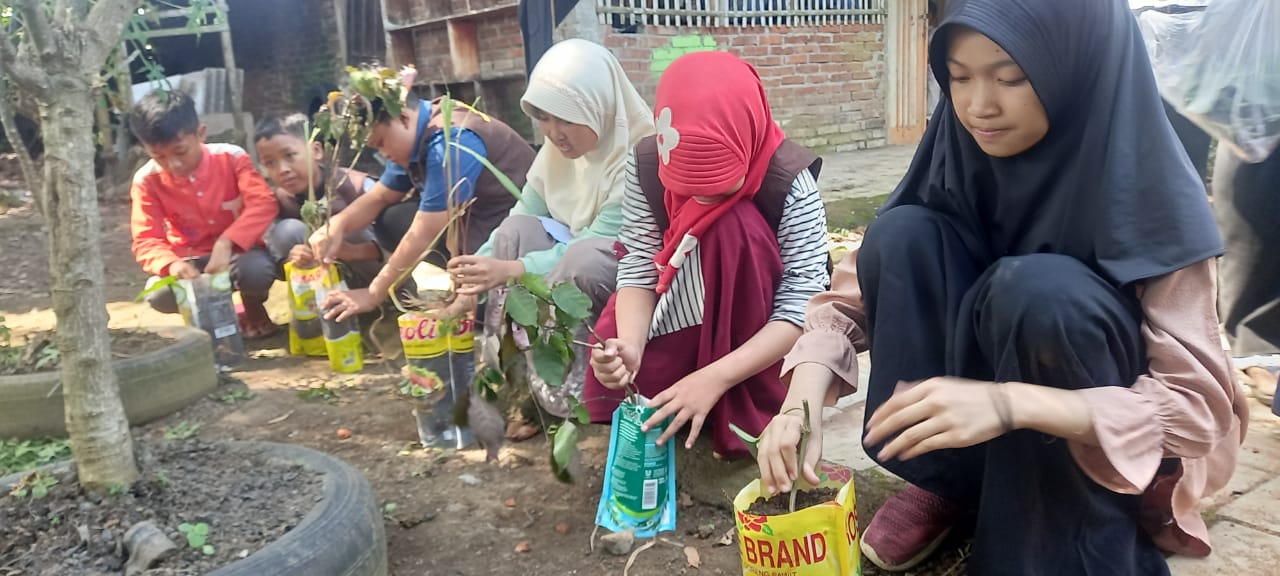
{"type": "Point", "coordinates": [804, 441]}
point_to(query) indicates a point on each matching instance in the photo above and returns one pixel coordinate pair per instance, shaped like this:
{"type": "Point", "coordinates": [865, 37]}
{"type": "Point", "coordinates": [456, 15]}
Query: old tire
{"type": "Point", "coordinates": [152, 386]}
{"type": "Point", "coordinates": [341, 536]}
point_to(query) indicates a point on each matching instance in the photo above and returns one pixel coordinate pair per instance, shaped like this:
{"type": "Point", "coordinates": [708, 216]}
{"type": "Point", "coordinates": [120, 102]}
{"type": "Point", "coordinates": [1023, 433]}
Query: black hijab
{"type": "Point", "coordinates": [1108, 185]}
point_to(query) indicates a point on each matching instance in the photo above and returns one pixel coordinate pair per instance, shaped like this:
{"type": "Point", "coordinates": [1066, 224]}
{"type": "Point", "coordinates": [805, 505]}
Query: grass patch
{"type": "Point", "coordinates": [21, 455]}
{"type": "Point", "coordinates": [853, 213]}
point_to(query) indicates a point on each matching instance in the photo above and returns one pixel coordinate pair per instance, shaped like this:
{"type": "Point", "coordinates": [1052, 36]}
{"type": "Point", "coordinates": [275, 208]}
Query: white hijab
{"type": "Point", "coordinates": [581, 82]}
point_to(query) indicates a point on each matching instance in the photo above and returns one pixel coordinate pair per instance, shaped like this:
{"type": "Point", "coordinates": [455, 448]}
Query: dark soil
{"type": "Point", "coordinates": [40, 352]}
{"type": "Point", "coordinates": [247, 500]}
{"type": "Point", "coordinates": [781, 504]}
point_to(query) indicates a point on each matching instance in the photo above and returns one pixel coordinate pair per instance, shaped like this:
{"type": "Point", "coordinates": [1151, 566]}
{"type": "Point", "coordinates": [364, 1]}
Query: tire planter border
{"type": "Point", "coordinates": [152, 386]}
{"type": "Point", "coordinates": [342, 535]}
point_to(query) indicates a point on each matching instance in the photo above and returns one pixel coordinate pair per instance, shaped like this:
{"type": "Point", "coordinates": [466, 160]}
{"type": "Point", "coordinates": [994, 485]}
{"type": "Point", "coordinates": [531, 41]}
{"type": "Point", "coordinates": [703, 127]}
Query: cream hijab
{"type": "Point", "coordinates": [581, 82]}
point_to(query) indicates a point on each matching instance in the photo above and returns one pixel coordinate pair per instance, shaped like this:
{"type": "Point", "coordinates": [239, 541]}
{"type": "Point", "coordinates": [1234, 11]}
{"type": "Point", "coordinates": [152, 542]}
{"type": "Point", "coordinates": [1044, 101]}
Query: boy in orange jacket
{"type": "Point", "coordinates": [199, 208]}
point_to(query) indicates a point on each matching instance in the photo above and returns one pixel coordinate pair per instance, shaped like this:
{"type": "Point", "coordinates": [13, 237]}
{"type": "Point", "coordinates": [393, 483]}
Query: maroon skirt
{"type": "Point", "coordinates": [741, 269]}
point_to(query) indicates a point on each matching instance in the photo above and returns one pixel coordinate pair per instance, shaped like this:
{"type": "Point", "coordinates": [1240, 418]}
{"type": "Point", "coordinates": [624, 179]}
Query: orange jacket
{"type": "Point", "coordinates": [176, 219]}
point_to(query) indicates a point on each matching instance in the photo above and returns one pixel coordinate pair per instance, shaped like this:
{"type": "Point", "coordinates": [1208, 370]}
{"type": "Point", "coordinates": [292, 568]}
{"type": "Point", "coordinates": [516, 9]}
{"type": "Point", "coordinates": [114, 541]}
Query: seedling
{"type": "Point", "coordinates": [36, 485]}
{"type": "Point", "coordinates": [19, 455]}
{"type": "Point", "coordinates": [197, 537]}
{"type": "Point", "coordinates": [182, 431]}
{"type": "Point", "coordinates": [235, 396]}
{"type": "Point", "coordinates": [320, 392]}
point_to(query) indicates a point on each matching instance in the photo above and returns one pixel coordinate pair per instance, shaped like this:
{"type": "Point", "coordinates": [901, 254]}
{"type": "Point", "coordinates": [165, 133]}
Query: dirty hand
{"type": "Point", "coordinates": [616, 364]}
{"type": "Point", "coordinates": [777, 453]}
{"type": "Point", "coordinates": [184, 270]}
{"type": "Point", "coordinates": [338, 306]}
{"type": "Point", "coordinates": [478, 274]}
{"type": "Point", "coordinates": [301, 256]}
{"type": "Point", "coordinates": [220, 260]}
{"type": "Point", "coordinates": [325, 244]}
{"type": "Point", "coordinates": [460, 306]}
{"type": "Point", "coordinates": [938, 413]}
{"type": "Point", "coordinates": [688, 400]}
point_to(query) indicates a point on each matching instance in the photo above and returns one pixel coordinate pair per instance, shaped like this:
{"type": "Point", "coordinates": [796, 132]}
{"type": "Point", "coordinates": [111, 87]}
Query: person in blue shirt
{"type": "Point", "coordinates": [413, 142]}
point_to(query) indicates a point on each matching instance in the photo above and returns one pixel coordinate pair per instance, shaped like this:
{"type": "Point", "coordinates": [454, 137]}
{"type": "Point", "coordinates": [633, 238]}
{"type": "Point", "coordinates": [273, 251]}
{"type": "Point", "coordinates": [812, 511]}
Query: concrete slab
{"type": "Point", "coordinates": [1237, 550]}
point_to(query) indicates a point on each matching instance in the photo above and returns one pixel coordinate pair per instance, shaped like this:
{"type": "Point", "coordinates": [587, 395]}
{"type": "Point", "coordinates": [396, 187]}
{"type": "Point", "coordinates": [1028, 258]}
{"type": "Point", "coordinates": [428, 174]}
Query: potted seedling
{"type": "Point", "coordinates": [810, 530]}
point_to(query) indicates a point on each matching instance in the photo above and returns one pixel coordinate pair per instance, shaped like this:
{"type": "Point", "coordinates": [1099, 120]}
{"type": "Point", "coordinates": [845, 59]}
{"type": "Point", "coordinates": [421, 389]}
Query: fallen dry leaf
{"type": "Point", "coordinates": [344, 433]}
{"type": "Point", "coordinates": [523, 546]}
{"type": "Point", "coordinates": [562, 528]}
{"type": "Point", "coordinates": [685, 500]}
{"type": "Point", "coordinates": [510, 502]}
{"type": "Point", "coordinates": [727, 539]}
{"type": "Point", "coordinates": [280, 418]}
{"type": "Point", "coordinates": [691, 556]}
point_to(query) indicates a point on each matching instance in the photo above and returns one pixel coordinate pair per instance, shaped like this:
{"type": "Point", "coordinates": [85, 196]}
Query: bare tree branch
{"type": "Point", "coordinates": [105, 23]}
{"type": "Point", "coordinates": [25, 76]}
{"type": "Point", "coordinates": [7, 118]}
{"type": "Point", "coordinates": [35, 23]}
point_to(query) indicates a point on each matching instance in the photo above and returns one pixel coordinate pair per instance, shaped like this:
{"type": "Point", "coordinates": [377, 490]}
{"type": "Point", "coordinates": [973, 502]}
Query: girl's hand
{"type": "Point", "coordinates": [776, 453]}
{"type": "Point", "coordinates": [301, 256]}
{"type": "Point", "coordinates": [689, 400]}
{"type": "Point", "coordinates": [475, 275]}
{"type": "Point", "coordinates": [616, 365]}
{"type": "Point", "coordinates": [339, 306]}
{"type": "Point", "coordinates": [938, 413]}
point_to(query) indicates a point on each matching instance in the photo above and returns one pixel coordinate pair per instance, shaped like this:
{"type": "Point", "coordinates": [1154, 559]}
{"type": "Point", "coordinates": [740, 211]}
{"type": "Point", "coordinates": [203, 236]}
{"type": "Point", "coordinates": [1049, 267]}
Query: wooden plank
{"type": "Point", "coordinates": [166, 32]}
{"type": "Point", "coordinates": [464, 49]}
{"type": "Point", "coordinates": [397, 26]}
{"type": "Point", "coordinates": [400, 48]}
{"type": "Point", "coordinates": [237, 93]}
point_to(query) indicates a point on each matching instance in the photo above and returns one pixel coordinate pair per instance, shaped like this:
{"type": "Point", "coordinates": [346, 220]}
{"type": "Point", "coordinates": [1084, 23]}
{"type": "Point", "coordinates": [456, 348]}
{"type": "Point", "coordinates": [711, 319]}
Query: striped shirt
{"type": "Point", "coordinates": [802, 242]}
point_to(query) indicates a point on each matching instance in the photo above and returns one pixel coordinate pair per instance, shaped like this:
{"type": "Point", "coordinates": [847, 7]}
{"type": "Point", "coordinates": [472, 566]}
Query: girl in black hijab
{"type": "Point", "coordinates": [1038, 299]}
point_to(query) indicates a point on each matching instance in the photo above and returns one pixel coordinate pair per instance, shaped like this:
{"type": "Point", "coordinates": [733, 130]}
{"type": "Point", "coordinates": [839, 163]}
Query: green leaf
{"type": "Point", "coordinates": [579, 412]}
{"type": "Point", "coordinates": [165, 282]}
{"type": "Point", "coordinates": [767, 530]}
{"type": "Point", "coordinates": [563, 447]}
{"type": "Point", "coordinates": [537, 285]}
{"type": "Point", "coordinates": [571, 300]}
{"type": "Point", "coordinates": [548, 363]}
{"type": "Point", "coordinates": [502, 178]}
{"type": "Point", "coordinates": [751, 441]}
{"type": "Point", "coordinates": [207, 550]}
{"type": "Point", "coordinates": [522, 306]}
{"type": "Point", "coordinates": [39, 491]}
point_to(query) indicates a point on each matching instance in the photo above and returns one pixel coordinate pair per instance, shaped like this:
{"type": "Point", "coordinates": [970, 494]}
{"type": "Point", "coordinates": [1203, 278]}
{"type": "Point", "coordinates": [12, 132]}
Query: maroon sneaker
{"type": "Point", "coordinates": [907, 529]}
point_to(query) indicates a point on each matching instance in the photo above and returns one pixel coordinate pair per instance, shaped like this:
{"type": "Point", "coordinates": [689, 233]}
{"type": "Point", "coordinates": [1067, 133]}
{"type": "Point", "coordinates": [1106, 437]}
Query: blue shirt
{"type": "Point", "coordinates": [435, 189]}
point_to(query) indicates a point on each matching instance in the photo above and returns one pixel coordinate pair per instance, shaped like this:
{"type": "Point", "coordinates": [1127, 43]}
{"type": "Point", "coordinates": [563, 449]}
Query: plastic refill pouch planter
{"type": "Point", "coordinates": [342, 341]}
{"type": "Point", "coordinates": [821, 540]}
{"type": "Point", "coordinates": [639, 491]}
{"type": "Point", "coordinates": [205, 303]}
{"type": "Point", "coordinates": [441, 357]}
{"type": "Point", "coordinates": [306, 337]}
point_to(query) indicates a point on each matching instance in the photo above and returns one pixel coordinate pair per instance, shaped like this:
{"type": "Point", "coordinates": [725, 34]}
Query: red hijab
{"type": "Point", "coordinates": [714, 130]}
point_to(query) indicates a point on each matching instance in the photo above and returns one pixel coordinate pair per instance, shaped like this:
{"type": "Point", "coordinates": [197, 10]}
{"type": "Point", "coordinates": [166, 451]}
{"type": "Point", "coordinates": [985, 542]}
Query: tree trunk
{"type": "Point", "coordinates": [99, 431]}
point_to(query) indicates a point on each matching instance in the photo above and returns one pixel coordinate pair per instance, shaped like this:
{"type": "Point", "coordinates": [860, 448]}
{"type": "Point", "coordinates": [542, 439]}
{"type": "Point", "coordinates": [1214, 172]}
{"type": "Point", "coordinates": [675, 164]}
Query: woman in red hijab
{"type": "Point", "coordinates": [723, 244]}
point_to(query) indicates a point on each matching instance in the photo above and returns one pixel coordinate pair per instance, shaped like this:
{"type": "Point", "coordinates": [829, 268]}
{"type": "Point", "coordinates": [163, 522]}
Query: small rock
{"type": "Point", "coordinates": [562, 528]}
{"type": "Point", "coordinates": [706, 531]}
{"type": "Point", "coordinates": [147, 545]}
{"type": "Point", "coordinates": [523, 546]}
{"type": "Point", "coordinates": [344, 433]}
{"type": "Point", "coordinates": [243, 554]}
{"type": "Point", "coordinates": [510, 503]}
{"type": "Point", "coordinates": [469, 480]}
{"type": "Point", "coordinates": [83, 531]}
{"type": "Point", "coordinates": [86, 506]}
{"type": "Point", "coordinates": [618, 543]}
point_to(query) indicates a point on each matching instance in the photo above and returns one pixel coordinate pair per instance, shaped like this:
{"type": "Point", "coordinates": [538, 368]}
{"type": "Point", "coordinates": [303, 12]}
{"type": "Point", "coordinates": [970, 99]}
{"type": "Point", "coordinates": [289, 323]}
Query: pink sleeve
{"type": "Point", "coordinates": [1182, 407]}
{"type": "Point", "coordinates": [834, 331]}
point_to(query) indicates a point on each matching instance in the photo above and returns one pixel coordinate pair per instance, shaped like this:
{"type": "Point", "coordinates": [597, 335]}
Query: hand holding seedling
{"type": "Point", "coordinates": [688, 400]}
{"type": "Point", "coordinates": [220, 260]}
{"type": "Point", "coordinates": [777, 451]}
{"type": "Point", "coordinates": [473, 275]}
{"type": "Point", "coordinates": [326, 242]}
{"type": "Point", "coordinates": [184, 270]}
{"type": "Point", "coordinates": [303, 257]}
{"type": "Point", "coordinates": [615, 364]}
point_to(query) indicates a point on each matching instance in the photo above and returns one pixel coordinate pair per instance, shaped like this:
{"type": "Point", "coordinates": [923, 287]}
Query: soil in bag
{"type": "Point", "coordinates": [781, 504]}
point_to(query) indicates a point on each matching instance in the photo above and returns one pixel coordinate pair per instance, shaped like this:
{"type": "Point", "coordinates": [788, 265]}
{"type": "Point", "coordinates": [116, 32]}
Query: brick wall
{"type": "Point", "coordinates": [824, 83]}
{"type": "Point", "coordinates": [288, 52]}
{"type": "Point", "coordinates": [501, 49]}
